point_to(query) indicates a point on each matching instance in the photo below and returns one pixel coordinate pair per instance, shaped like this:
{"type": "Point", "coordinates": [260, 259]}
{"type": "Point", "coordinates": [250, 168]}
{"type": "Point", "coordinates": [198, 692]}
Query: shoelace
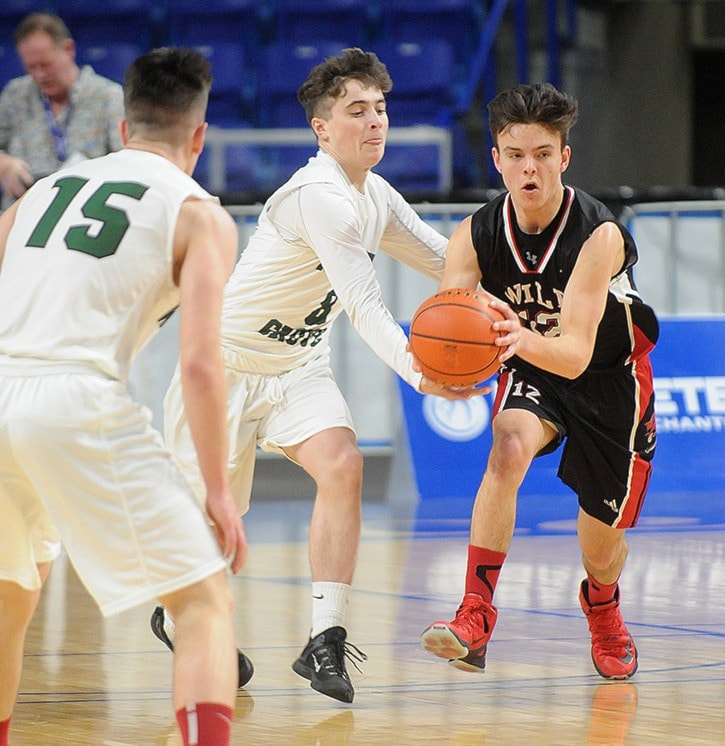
{"type": "Point", "coordinates": [609, 631]}
{"type": "Point", "coordinates": [354, 655]}
{"type": "Point", "coordinates": [342, 650]}
{"type": "Point", "coordinates": [470, 615]}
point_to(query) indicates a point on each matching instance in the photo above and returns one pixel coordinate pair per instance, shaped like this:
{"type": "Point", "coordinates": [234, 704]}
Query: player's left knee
{"type": "Point", "coordinates": [346, 465]}
{"type": "Point", "coordinates": [608, 555]}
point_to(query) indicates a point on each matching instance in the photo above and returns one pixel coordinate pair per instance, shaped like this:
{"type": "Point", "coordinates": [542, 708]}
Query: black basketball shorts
{"type": "Point", "coordinates": [605, 419]}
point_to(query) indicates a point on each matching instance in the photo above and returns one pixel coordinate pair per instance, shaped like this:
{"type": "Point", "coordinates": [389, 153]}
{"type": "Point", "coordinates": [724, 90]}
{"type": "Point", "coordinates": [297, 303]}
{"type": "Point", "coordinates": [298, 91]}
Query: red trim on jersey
{"type": "Point", "coordinates": [640, 470]}
{"type": "Point", "coordinates": [641, 344]}
{"type": "Point", "coordinates": [508, 223]}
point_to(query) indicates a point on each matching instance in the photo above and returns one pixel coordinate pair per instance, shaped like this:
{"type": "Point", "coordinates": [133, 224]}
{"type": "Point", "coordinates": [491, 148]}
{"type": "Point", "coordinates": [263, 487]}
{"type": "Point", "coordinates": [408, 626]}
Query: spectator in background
{"type": "Point", "coordinates": [56, 115]}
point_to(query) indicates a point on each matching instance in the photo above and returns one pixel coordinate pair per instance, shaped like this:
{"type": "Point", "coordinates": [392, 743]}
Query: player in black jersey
{"type": "Point", "coordinates": [575, 371]}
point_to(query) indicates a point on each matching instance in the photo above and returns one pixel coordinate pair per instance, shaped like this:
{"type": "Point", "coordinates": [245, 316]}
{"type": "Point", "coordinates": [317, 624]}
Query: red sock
{"type": "Point", "coordinates": [484, 566]}
{"type": "Point", "coordinates": [205, 724]}
{"type": "Point", "coordinates": [4, 732]}
{"type": "Point", "coordinates": [598, 593]}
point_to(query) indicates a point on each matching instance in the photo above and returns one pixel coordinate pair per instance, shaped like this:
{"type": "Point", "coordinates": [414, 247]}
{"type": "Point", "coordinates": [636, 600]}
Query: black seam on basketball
{"type": "Point", "coordinates": [451, 340]}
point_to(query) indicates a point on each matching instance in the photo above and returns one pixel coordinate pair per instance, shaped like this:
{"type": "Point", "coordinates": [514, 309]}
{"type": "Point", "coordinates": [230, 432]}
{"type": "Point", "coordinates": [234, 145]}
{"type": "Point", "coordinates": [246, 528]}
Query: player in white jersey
{"type": "Point", "coordinates": [93, 259]}
{"type": "Point", "coordinates": [309, 260]}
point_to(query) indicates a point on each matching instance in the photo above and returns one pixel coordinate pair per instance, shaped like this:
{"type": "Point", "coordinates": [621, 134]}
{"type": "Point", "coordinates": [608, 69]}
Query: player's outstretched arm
{"type": "Point", "coordinates": [461, 270]}
{"type": "Point", "coordinates": [206, 248]}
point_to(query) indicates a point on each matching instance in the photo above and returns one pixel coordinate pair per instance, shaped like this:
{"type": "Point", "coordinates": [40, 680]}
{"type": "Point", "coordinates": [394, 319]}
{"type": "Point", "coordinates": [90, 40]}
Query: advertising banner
{"type": "Point", "coordinates": [449, 443]}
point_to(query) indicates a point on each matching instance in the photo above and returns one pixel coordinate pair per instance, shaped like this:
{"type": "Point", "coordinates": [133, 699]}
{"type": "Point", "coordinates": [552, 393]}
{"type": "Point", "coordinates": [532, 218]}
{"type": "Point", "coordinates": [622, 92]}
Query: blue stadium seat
{"type": "Point", "coordinates": [93, 22]}
{"type": "Point", "coordinates": [243, 165]}
{"type": "Point", "coordinates": [230, 98]}
{"type": "Point", "coordinates": [109, 60]}
{"type": "Point", "coordinates": [10, 65]}
{"type": "Point", "coordinates": [12, 12]}
{"type": "Point", "coordinates": [191, 22]}
{"type": "Point", "coordinates": [411, 169]}
{"type": "Point", "coordinates": [302, 20]}
{"type": "Point", "coordinates": [456, 21]}
{"type": "Point", "coordinates": [423, 81]}
{"type": "Point", "coordinates": [283, 67]}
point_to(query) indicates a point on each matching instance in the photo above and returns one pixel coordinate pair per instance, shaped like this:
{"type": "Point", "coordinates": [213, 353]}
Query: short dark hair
{"type": "Point", "coordinates": [327, 80]}
{"type": "Point", "coordinates": [51, 24]}
{"type": "Point", "coordinates": [539, 103]}
{"type": "Point", "coordinates": [163, 85]}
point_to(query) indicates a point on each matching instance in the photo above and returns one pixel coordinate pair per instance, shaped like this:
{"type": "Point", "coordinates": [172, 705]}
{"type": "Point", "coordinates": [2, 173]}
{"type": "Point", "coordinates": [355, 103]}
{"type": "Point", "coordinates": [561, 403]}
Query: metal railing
{"type": "Point", "coordinates": [218, 139]}
{"type": "Point", "coordinates": [682, 255]}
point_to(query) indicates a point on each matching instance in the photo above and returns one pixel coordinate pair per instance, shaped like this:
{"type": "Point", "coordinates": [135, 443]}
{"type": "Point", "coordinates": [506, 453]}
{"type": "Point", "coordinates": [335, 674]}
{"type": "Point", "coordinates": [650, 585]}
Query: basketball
{"type": "Point", "coordinates": [452, 339]}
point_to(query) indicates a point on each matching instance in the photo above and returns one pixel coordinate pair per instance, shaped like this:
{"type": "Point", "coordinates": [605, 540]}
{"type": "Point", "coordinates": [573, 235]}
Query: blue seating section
{"type": "Point", "coordinates": [283, 67]}
{"type": "Point", "coordinates": [10, 66]}
{"type": "Point", "coordinates": [423, 81]}
{"type": "Point", "coordinates": [454, 21]}
{"type": "Point", "coordinates": [262, 50]}
{"type": "Point", "coordinates": [190, 22]}
{"type": "Point", "coordinates": [109, 60]}
{"type": "Point", "coordinates": [305, 20]}
{"type": "Point", "coordinates": [232, 88]}
{"type": "Point", "coordinates": [117, 21]}
{"type": "Point", "coordinates": [11, 13]}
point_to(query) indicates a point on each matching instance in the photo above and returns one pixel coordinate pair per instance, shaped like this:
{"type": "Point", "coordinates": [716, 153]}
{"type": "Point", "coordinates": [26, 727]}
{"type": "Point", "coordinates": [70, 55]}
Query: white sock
{"type": "Point", "coordinates": [329, 606]}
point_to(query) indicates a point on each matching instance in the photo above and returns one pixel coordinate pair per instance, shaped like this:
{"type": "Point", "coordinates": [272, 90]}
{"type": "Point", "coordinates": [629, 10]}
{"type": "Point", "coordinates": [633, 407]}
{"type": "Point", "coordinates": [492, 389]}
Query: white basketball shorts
{"type": "Point", "coordinates": [269, 411]}
{"type": "Point", "coordinates": [80, 462]}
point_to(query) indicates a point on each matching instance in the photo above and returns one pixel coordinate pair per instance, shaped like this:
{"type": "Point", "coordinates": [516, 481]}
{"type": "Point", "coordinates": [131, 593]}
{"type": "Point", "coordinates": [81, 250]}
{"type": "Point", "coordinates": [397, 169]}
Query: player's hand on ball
{"type": "Point", "coordinates": [510, 330]}
{"type": "Point", "coordinates": [451, 392]}
{"type": "Point", "coordinates": [427, 386]}
{"type": "Point", "coordinates": [452, 338]}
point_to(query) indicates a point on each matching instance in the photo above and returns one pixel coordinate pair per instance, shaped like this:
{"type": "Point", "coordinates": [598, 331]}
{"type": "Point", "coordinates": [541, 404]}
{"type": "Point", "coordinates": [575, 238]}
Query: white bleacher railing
{"type": "Point", "coordinates": [218, 139]}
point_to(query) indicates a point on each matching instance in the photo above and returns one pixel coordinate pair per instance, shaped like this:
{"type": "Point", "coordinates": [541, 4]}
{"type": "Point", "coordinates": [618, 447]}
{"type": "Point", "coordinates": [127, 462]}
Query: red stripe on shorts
{"type": "Point", "coordinates": [640, 470]}
{"type": "Point", "coordinates": [502, 387]}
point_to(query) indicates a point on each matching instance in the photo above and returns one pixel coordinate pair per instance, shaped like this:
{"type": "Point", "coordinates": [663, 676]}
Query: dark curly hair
{"type": "Point", "coordinates": [539, 103]}
{"type": "Point", "coordinates": [327, 80]}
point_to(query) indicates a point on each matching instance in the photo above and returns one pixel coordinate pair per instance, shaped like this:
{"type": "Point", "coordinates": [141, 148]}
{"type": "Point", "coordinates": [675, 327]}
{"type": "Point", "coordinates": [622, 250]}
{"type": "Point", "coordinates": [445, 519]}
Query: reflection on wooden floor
{"type": "Point", "coordinates": [90, 681]}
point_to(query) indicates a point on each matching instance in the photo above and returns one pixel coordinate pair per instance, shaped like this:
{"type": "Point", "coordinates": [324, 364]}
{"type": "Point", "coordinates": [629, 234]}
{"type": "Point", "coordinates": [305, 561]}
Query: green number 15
{"type": "Point", "coordinates": [114, 221]}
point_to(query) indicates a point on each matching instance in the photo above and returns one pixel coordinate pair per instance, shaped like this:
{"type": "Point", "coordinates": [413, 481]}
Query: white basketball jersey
{"type": "Point", "coordinates": [87, 272]}
{"type": "Point", "coordinates": [311, 258]}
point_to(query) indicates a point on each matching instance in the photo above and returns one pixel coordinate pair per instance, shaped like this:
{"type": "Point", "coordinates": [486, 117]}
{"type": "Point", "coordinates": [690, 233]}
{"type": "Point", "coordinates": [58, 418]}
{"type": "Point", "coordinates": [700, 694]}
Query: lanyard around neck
{"type": "Point", "coordinates": [59, 134]}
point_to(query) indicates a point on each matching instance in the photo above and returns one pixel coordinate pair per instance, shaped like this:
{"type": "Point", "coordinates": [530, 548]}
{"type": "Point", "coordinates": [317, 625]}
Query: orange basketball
{"type": "Point", "coordinates": [452, 339]}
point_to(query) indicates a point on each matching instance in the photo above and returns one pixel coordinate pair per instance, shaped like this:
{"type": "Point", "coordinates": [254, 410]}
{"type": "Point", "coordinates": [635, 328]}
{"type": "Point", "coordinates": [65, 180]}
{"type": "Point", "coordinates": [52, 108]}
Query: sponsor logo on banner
{"type": "Point", "coordinates": [692, 404]}
{"type": "Point", "coordinates": [458, 421]}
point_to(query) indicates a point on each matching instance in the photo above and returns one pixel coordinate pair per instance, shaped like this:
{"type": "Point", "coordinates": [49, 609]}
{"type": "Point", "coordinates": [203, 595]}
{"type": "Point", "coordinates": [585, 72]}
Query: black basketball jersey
{"type": "Point", "coordinates": [530, 272]}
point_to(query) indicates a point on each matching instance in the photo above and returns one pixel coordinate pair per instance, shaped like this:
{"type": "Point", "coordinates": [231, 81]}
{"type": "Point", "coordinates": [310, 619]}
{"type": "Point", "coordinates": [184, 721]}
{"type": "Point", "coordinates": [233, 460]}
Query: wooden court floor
{"type": "Point", "coordinates": [89, 681]}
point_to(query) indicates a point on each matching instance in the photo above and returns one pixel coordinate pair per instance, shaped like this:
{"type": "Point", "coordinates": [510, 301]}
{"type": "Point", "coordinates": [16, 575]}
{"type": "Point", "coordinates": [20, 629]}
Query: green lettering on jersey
{"type": "Point", "coordinates": [113, 220]}
{"type": "Point", "coordinates": [67, 189]}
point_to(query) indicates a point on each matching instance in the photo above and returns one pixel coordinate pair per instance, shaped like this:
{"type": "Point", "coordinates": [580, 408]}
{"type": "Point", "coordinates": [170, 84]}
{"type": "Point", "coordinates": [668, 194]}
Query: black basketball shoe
{"type": "Point", "coordinates": [322, 663]}
{"type": "Point", "coordinates": [159, 625]}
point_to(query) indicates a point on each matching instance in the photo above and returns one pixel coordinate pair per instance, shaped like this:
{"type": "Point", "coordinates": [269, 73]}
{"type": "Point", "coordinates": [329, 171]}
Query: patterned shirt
{"type": "Point", "coordinates": [90, 122]}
